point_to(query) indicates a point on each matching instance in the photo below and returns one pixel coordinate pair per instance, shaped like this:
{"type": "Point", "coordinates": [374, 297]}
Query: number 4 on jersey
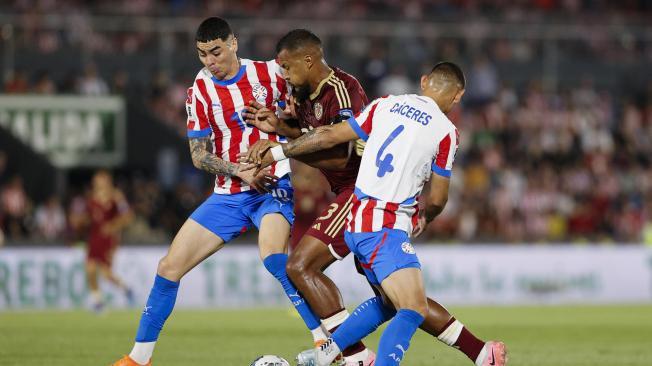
{"type": "Point", "coordinates": [384, 164]}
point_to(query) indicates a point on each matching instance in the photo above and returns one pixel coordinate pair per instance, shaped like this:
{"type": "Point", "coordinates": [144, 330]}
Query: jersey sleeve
{"type": "Point", "coordinates": [362, 123]}
{"type": "Point", "coordinates": [284, 89]}
{"type": "Point", "coordinates": [197, 111]}
{"type": "Point", "coordinates": [446, 150]}
{"type": "Point", "coordinates": [348, 100]}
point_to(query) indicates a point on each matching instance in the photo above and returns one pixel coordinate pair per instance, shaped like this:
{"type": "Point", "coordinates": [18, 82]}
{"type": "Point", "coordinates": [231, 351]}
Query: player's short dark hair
{"type": "Point", "coordinates": [451, 71]}
{"type": "Point", "coordinates": [296, 39]}
{"type": "Point", "coordinates": [213, 28]}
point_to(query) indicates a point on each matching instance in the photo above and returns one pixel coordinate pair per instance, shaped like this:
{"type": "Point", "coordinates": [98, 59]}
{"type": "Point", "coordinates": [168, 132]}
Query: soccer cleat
{"type": "Point", "coordinates": [496, 354]}
{"type": "Point", "coordinates": [369, 359]}
{"type": "Point", "coordinates": [127, 361]}
{"type": "Point", "coordinates": [323, 355]}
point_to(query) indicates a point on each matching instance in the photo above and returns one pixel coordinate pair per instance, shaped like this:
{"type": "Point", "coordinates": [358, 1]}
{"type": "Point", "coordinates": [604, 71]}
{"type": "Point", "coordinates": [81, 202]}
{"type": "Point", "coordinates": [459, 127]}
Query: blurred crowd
{"type": "Point", "coordinates": [412, 9]}
{"type": "Point", "coordinates": [562, 162]}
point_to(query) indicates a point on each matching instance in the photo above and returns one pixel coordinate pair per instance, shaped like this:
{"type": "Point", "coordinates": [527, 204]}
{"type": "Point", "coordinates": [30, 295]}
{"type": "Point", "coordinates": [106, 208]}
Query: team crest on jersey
{"type": "Point", "coordinates": [319, 110]}
{"type": "Point", "coordinates": [407, 248]}
{"type": "Point", "coordinates": [259, 92]}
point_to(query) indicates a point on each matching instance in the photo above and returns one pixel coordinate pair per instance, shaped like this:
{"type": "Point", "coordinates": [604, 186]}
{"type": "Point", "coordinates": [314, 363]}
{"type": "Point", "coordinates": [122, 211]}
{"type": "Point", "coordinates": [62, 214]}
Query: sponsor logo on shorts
{"type": "Point", "coordinates": [407, 248]}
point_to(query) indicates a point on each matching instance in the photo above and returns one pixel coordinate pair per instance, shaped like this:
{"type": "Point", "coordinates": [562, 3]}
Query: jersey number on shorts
{"type": "Point", "coordinates": [384, 164]}
{"type": "Point", "coordinates": [331, 209]}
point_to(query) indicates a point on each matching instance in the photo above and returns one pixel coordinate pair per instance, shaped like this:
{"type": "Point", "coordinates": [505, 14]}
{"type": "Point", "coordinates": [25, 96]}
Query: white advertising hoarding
{"type": "Point", "coordinates": [235, 277]}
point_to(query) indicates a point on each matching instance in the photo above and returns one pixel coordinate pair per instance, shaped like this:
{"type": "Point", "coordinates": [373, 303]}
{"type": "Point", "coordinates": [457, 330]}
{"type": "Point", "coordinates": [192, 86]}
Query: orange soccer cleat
{"type": "Point", "coordinates": [127, 361]}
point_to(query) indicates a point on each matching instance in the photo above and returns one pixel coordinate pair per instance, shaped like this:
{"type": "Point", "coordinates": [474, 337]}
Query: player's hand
{"type": "Point", "coordinates": [256, 151]}
{"type": "Point", "coordinates": [261, 180]}
{"type": "Point", "coordinates": [420, 226]}
{"type": "Point", "coordinates": [260, 117]}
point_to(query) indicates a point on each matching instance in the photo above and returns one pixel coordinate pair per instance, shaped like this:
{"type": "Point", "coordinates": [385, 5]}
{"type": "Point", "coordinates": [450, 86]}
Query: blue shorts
{"type": "Point", "coordinates": [382, 253]}
{"type": "Point", "coordinates": [229, 215]}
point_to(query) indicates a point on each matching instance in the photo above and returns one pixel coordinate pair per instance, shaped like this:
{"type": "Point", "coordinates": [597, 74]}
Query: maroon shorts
{"type": "Point", "coordinates": [101, 249]}
{"type": "Point", "coordinates": [329, 226]}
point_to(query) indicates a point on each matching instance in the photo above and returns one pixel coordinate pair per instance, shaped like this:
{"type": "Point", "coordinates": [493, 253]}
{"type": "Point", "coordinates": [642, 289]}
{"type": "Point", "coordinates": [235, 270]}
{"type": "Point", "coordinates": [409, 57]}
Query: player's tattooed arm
{"type": "Point", "coordinates": [320, 138]}
{"type": "Point", "coordinates": [204, 159]}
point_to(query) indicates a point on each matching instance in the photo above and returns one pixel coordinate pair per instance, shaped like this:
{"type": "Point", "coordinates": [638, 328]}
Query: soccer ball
{"type": "Point", "coordinates": [270, 360]}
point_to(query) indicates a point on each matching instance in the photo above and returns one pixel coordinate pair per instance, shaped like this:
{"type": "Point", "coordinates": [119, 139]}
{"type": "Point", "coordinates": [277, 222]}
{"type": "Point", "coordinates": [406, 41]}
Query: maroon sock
{"type": "Point", "coordinates": [466, 342]}
{"type": "Point", "coordinates": [352, 349]}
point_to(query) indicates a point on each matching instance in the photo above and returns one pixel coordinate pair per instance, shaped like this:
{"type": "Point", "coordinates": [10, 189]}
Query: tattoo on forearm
{"type": "Point", "coordinates": [311, 141]}
{"type": "Point", "coordinates": [205, 160]}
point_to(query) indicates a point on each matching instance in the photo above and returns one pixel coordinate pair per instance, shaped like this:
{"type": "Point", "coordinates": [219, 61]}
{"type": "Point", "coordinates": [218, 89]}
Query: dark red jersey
{"type": "Point", "coordinates": [337, 98]}
{"type": "Point", "coordinates": [101, 244]}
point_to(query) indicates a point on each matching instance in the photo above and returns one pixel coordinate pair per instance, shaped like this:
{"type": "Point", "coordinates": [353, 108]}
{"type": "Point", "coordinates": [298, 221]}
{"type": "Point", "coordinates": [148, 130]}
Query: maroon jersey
{"type": "Point", "coordinates": [101, 245]}
{"type": "Point", "coordinates": [337, 98]}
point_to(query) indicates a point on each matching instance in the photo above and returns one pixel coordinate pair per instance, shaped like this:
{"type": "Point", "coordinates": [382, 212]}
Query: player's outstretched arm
{"type": "Point", "coordinates": [320, 138]}
{"type": "Point", "coordinates": [437, 196]}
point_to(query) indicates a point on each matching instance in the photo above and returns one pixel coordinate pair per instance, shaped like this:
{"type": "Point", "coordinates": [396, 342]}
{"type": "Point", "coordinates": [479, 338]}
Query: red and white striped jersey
{"type": "Point", "coordinates": [408, 137]}
{"type": "Point", "coordinates": [214, 108]}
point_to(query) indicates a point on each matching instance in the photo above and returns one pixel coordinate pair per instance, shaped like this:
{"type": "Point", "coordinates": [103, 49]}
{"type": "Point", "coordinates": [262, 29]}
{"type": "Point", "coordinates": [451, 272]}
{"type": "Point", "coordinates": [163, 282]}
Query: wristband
{"type": "Point", "coordinates": [277, 153]}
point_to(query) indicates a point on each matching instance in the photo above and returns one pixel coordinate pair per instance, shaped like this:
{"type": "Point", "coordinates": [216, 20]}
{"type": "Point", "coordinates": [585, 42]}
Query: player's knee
{"type": "Point", "coordinates": [168, 269]}
{"type": "Point", "coordinates": [420, 306]}
{"type": "Point", "coordinates": [297, 267]}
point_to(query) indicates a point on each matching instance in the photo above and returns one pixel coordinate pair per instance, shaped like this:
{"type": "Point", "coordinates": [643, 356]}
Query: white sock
{"type": "Point", "coordinates": [335, 320]}
{"type": "Point", "coordinates": [318, 334]}
{"type": "Point", "coordinates": [142, 352]}
{"type": "Point", "coordinates": [481, 356]}
{"type": "Point", "coordinates": [452, 333]}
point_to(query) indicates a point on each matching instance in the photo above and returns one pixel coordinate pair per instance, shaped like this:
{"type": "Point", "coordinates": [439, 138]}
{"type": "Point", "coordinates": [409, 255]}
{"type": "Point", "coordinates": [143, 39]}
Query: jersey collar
{"type": "Point", "coordinates": [321, 84]}
{"type": "Point", "coordinates": [232, 80]}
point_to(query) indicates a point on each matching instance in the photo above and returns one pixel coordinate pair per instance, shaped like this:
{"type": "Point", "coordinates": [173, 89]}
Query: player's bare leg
{"type": "Point", "coordinates": [92, 274]}
{"type": "Point", "coordinates": [305, 268]}
{"type": "Point", "coordinates": [274, 234]}
{"type": "Point", "coordinates": [192, 244]}
{"type": "Point", "coordinates": [108, 273]}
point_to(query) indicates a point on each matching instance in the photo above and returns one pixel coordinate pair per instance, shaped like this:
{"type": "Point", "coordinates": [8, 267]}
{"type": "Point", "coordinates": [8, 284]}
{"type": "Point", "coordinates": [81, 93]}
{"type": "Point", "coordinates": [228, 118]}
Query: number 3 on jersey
{"type": "Point", "coordinates": [384, 164]}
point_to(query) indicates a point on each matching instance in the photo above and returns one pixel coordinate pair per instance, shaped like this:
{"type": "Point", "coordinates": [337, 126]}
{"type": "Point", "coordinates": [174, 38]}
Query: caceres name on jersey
{"type": "Point", "coordinates": [407, 139]}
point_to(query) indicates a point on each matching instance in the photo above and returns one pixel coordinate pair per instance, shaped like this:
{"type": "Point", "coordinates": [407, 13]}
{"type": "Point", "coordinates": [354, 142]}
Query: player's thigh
{"type": "Point", "coordinates": [328, 228]}
{"type": "Point", "coordinates": [192, 244]}
{"type": "Point", "coordinates": [273, 214]}
{"type": "Point", "coordinates": [273, 235]}
{"type": "Point", "coordinates": [405, 290]}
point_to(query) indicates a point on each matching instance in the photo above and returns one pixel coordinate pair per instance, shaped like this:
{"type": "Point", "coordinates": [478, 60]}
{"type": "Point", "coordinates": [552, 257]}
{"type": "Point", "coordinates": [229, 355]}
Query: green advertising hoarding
{"type": "Point", "coordinates": [71, 131]}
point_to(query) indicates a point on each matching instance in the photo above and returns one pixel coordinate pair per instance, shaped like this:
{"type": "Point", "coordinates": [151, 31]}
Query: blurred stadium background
{"type": "Point", "coordinates": [552, 190]}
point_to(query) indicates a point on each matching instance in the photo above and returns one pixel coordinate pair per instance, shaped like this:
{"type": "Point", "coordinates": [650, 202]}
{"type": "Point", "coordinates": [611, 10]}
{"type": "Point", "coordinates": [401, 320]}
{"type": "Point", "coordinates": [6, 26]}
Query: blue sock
{"type": "Point", "coordinates": [159, 306]}
{"type": "Point", "coordinates": [362, 322]}
{"type": "Point", "coordinates": [396, 338]}
{"type": "Point", "coordinates": [275, 264]}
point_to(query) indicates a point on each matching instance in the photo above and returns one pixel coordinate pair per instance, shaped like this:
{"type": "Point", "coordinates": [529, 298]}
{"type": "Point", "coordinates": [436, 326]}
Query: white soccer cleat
{"type": "Point", "coordinates": [323, 355]}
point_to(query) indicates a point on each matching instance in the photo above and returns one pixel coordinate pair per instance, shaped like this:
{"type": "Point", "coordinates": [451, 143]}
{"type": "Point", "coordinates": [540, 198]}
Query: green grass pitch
{"type": "Point", "coordinates": [535, 336]}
